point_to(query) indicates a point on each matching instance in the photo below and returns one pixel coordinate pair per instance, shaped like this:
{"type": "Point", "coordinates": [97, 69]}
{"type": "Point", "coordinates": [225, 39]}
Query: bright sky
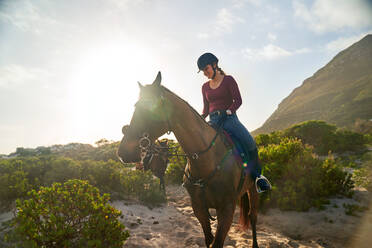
{"type": "Point", "coordinates": [69, 69]}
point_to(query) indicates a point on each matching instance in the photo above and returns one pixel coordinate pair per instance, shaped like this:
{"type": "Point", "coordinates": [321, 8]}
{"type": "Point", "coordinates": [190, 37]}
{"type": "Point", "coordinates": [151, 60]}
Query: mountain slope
{"type": "Point", "coordinates": [338, 93]}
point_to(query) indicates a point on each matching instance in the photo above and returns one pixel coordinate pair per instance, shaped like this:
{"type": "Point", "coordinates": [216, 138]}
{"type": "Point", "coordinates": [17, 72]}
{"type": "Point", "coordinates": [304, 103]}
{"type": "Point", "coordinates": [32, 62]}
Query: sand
{"type": "Point", "coordinates": [174, 225]}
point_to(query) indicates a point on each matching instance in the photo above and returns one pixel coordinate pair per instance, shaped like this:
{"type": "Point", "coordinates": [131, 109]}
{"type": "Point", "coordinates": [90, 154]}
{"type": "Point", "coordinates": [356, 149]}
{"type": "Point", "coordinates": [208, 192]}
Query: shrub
{"type": "Point", "coordinates": [18, 176]}
{"type": "Point", "coordinates": [12, 186]}
{"type": "Point", "coordinates": [266, 139]}
{"type": "Point", "coordinates": [316, 133]}
{"type": "Point", "coordinates": [174, 173]}
{"type": "Point", "coordinates": [363, 176]}
{"type": "Point", "coordinates": [348, 141]}
{"type": "Point", "coordinates": [176, 166]}
{"type": "Point", "coordinates": [299, 179]}
{"type": "Point", "coordinates": [70, 215]}
{"type": "Point", "coordinates": [352, 209]}
{"type": "Point", "coordinates": [142, 186]}
{"type": "Point", "coordinates": [325, 137]}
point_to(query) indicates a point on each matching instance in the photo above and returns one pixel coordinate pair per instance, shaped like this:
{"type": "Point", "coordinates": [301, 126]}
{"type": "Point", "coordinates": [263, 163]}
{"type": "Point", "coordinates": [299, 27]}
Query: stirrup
{"type": "Point", "coordinates": [262, 177]}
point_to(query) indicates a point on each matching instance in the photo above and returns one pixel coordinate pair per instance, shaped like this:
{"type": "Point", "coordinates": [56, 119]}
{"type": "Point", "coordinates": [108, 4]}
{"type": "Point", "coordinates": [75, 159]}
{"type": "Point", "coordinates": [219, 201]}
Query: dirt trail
{"type": "Point", "coordinates": [174, 225]}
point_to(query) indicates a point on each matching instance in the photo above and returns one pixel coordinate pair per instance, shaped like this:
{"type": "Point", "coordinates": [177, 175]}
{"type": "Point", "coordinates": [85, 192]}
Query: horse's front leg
{"type": "Point", "coordinates": [162, 184]}
{"type": "Point", "coordinates": [225, 217]}
{"type": "Point", "coordinates": [201, 213]}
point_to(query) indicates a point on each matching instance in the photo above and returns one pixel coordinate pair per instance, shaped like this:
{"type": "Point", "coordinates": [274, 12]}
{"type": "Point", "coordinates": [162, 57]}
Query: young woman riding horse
{"type": "Point", "coordinates": [213, 177]}
{"type": "Point", "coordinates": [221, 97]}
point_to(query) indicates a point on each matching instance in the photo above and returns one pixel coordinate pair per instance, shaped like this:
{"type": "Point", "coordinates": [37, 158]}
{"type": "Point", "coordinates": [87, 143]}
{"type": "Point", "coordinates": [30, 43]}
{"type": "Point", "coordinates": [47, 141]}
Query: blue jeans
{"type": "Point", "coordinates": [242, 138]}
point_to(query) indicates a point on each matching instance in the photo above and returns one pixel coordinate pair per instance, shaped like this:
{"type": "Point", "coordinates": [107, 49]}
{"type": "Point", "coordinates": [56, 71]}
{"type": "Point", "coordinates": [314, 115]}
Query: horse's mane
{"type": "Point", "coordinates": [179, 98]}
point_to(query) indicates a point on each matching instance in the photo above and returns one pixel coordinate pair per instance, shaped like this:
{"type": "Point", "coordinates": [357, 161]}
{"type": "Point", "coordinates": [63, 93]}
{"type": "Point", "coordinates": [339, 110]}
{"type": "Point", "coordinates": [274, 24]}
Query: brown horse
{"type": "Point", "coordinates": [154, 159]}
{"type": "Point", "coordinates": [213, 177]}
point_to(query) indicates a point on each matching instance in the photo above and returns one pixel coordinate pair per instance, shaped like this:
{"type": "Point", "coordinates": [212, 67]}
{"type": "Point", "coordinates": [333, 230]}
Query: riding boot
{"type": "Point", "coordinates": [253, 166]}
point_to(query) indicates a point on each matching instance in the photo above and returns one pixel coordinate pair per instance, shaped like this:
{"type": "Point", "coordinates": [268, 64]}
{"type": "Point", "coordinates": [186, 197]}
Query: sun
{"type": "Point", "coordinates": [103, 88]}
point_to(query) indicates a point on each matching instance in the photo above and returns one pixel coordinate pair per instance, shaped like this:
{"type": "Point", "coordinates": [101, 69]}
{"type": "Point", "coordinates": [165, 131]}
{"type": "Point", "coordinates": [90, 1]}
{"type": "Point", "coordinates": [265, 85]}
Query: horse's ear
{"type": "Point", "coordinates": [157, 79]}
{"type": "Point", "coordinates": [140, 85]}
{"type": "Point", "coordinates": [124, 129]}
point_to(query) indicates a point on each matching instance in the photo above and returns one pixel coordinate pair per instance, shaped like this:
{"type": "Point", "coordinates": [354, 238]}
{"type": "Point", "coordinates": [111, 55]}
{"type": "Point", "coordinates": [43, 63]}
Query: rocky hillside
{"type": "Point", "coordinates": [339, 93]}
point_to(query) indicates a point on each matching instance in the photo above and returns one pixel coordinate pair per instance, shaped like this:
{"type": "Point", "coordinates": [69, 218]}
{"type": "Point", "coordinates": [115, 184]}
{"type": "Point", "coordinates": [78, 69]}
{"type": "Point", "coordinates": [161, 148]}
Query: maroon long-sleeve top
{"type": "Point", "coordinates": [225, 96]}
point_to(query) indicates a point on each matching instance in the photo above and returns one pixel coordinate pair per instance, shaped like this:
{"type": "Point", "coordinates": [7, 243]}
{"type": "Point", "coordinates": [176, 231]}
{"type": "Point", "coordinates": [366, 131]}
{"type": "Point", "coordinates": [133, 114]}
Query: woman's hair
{"type": "Point", "coordinates": [221, 71]}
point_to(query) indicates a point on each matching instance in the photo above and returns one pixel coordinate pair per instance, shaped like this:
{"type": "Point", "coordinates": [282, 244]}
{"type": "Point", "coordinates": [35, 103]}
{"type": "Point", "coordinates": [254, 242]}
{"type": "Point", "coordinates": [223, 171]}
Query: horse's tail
{"type": "Point", "coordinates": [244, 212]}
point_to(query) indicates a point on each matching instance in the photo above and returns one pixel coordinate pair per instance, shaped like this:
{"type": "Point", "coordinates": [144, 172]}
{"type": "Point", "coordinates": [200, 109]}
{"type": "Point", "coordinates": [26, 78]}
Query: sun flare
{"type": "Point", "coordinates": [104, 88]}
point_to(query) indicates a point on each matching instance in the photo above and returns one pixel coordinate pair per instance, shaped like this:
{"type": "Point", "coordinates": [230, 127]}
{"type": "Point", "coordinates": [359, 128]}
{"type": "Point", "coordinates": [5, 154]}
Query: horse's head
{"type": "Point", "coordinates": [150, 119]}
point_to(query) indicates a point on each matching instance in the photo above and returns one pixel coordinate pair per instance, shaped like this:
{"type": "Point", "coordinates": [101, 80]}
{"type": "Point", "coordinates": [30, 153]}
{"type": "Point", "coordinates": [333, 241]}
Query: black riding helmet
{"type": "Point", "coordinates": [206, 59]}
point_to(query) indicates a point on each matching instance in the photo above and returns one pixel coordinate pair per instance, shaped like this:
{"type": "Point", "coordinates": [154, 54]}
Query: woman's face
{"type": "Point", "coordinates": [208, 71]}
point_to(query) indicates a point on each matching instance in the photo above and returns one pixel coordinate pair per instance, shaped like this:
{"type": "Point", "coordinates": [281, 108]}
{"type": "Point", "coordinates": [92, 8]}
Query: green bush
{"type": "Point", "coordinates": [70, 215]}
{"type": "Point", "coordinates": [353, 209]}
{"type": "Point", "coordinates": [266, 139]}
{"type": "Point", "coordinates": [18, 176]}
{"type": "Point", "coordinates": [346, 140]}
{"type": "Point", "coordinates": [363, 176]}
{"type": "Point", "coordinates": [142, 186]}
{"type": "Point", "coordinates": [174, 173]}
{"type": "Point", "coordinates": [322, 136]}
{"type": "Point", "coordinates": [176, 165]}
{"type": "Point", "coordinates": [319, 134]}
{"type": "Point", "coordinates": [12, 186]}
{"type": "Point", "coordinates": [299, 179]}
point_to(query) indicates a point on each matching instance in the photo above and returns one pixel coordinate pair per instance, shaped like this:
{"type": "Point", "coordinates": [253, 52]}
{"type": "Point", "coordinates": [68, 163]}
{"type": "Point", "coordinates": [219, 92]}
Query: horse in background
{"type": "Point", "coordinates": [213, 178]}
{"type": "Point", "coordinates": [156, 161]}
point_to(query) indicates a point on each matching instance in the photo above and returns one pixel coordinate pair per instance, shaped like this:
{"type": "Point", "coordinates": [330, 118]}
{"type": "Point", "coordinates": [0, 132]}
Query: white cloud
{"type": "Point", "coordinates": [271, 52]}
{"type": "Point", "coordinates": [302, 50]}
{"type": "Point", "coordinates": [203, 36]}
{"type": "Point", "coordinates": [26, 16]}
{"type": "Point", "coordinates": [125, 5]}
{"type": "Point", "coordinates": [344, 42]}
{"type": "Point", "coordinates": [13, 76]}
{"type": "Point", "coordinates": [221, 24]}
{"type": "Point", "coordinates": [241, 3]}
{"type": "Point", "coordinates": [255, 2]}
{"type": "Point", "coordinates": [226, 20]}
{"type": "Point", "coordinates": [332, 15]}
{"type": "Point", "coordinates": [271, 36]}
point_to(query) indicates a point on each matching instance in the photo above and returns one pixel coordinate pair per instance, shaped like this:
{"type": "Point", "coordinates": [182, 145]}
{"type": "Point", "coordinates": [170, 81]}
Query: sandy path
{"type": "Point", "coordinates": [174, 225]}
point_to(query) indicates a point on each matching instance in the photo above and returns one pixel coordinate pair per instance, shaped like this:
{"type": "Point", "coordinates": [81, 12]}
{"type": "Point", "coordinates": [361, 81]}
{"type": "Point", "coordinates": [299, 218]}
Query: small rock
{"type": "Point", "coordinates": [155, 222]}
{"type": "Point", "coordinates": [133, 225]}
{"type": "Point", "coordinates": [293, 244]}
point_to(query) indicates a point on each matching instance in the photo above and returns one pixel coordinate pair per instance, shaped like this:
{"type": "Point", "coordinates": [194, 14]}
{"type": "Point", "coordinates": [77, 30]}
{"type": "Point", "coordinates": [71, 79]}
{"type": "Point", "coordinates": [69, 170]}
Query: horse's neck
{"type": "Point", "coordinates": [192, 132]}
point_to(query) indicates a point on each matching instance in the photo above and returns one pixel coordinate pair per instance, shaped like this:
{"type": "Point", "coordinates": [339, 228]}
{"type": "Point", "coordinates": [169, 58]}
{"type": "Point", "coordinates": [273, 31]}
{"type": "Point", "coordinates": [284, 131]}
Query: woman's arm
{"type": "Point", "coordinates": [206, 104]}
{"type": "Point", "coordinates": [235, 93]}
